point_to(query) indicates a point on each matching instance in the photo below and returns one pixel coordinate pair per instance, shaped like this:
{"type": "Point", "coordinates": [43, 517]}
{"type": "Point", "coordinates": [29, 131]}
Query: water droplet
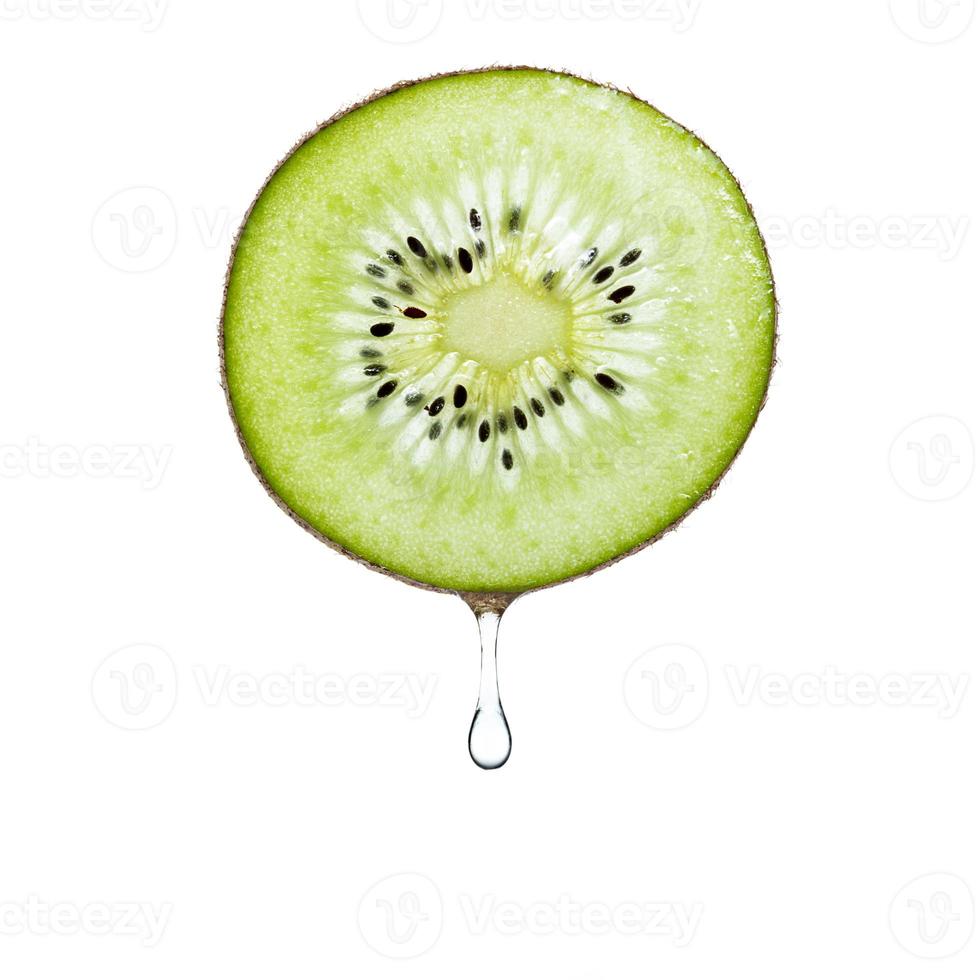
{"type": "Point", "coordinates": [490, 740]}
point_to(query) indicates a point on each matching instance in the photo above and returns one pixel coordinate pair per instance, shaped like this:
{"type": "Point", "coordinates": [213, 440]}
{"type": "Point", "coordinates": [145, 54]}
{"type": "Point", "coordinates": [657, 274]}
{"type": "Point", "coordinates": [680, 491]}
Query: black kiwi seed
{"type": "Point", "coordinates": [610, 384]}
{"type": "Point", "coordinates": [465, 261]}
{"type": "Point", "coordinates": [395, 256]}
{"type": "Point", "coordinates": [515, 219]}
{"type": "Point", "coordinates": [382, 329]}
{"type": "Point", "coordinates": [381, 303]}
{"type": "Point", "coordinates": [520, 419]}
{"type": "Point", "coordinates": [413, 398]}
{"type": "Point", "coordinates": [624, 292]}
{"type": "Point", "coordinates": [416, 246]}
{"type": "Point", "coordinates": [620, 317]}
{"type": "Point", "coordinates": [630, 257]}
{"type": "Point", "coordinates": [459, 396]}
{"type": "Point", "coordinates": [387, 388]}
{"type": "Point", "coordinates": [373, 369]}
{"type": "Point", "coordinates": [436, 405]}
{"type": "Point", "coordinates": [461, 420]}
{"type": "Point", "coordinates": [589, 257]}
{"type": "Point", "coordinates": [484, 431]}
{"type": "Point", "coordinates": [556, 396]}
{"type": "Point", "coordinates": [406, 287]}
{"type": "Point", "coordinates": [549, 278]}
{"type": "Point", "coordinates": [436, 430]}
{"type": "Point", "coordinates": [414, 313]}
{"type": "Point", "coordinates": [603, 274]}
{"type": "Point", "coordinates": [447, 262]}
{"type": "Point", "coordinates": [537, 408]}
{"type": "Point", "coordinates": [481, 247]}
{"type": "Point", "coordinates": [507, 459]}
{"type": "Point", "coordinates": [501, 422]}
{"type": "Point", "coordinates": [476, 222]}
{"type": "Point", "coordinates": [370, 352]}
{"type": "Point", "coordinates": [376, 271]}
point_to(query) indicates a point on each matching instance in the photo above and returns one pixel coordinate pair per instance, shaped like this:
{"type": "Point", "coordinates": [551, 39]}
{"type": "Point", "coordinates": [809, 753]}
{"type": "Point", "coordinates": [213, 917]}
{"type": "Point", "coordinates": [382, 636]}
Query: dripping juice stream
{"type": "Point", "coordinates": [489, 740]}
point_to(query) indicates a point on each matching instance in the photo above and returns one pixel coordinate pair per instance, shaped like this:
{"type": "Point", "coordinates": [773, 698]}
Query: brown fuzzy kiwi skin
{"type": "Point", "coordinates": [479, 602]}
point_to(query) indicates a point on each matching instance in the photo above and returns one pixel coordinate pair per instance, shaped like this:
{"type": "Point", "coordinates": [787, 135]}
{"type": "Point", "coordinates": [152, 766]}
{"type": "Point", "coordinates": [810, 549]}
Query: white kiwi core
{"type": "Point", "coordinates": [502, 323]}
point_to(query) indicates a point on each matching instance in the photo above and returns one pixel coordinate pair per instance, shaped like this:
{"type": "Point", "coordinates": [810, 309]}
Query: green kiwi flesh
{"type": "Point", "coordinates": [491, 330]}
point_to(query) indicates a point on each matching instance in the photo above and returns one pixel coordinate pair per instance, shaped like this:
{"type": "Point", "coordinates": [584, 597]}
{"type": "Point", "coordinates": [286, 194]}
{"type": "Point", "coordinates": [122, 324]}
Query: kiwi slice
{"type": "Point", "coordinates": [491, 330]}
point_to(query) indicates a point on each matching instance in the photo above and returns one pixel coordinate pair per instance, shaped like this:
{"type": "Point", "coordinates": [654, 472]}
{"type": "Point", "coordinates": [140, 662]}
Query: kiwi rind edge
{"type": "Point", "coordinates": [477, 601]}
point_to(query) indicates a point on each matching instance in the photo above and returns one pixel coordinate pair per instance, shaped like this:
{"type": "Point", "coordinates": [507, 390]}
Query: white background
{"type": "Point", "coordinates": [786, 789]}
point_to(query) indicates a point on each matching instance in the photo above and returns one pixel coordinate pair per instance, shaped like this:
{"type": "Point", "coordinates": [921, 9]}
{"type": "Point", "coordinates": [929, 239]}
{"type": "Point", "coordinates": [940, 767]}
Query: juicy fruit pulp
{"type": "Point", "coordinates": [491, 330]}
